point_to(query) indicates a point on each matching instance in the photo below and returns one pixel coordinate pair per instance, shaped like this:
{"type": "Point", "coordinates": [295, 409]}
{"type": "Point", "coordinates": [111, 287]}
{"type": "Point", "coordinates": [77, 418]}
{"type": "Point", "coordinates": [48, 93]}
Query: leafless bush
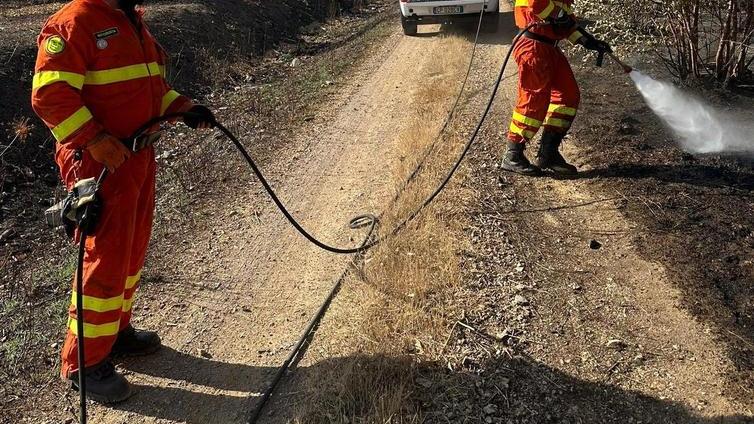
{"type": "Point", "coordinates": [711, 38]}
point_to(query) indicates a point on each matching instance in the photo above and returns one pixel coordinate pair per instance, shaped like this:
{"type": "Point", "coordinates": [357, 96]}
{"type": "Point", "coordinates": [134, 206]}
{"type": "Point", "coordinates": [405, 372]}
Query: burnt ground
{"type": "Point", "coordinates": [697, 218]}
{"type": "Point", "coordinates": [37, 263]}
{"type": "Point", "coordinates": [625, 295]}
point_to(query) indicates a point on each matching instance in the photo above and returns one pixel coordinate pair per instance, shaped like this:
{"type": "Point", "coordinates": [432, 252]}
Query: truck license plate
{"type": "Point", "coordinates": [448, 10]}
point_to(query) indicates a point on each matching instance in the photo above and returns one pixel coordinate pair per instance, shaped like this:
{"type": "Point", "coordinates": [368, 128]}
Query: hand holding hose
{"type": "Point", "coordinates": [108, 151]}
{"type": "Point", "coordinates": [199, 117]}
{"type": "Point", "coordinates": [590, 42]}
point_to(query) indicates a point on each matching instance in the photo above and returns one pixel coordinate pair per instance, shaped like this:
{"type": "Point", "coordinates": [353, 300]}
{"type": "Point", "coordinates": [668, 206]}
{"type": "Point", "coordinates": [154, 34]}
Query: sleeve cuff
{"type": "Point", "coordinates": [575, 36]}
{"type": "Point", "coordinates": [84, 135]}
{"type": "Point", "coordinates": [178, 104]}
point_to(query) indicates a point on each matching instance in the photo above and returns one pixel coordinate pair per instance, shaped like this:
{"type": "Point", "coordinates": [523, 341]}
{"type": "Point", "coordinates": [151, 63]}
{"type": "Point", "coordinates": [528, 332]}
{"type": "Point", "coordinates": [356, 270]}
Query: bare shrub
{"type": "Point", "coordinates": [707, 39]}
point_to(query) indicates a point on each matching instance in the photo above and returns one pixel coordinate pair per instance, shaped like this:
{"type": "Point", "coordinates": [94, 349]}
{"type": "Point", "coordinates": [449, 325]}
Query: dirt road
{"type": "Point", "coordinates": [224, 336]}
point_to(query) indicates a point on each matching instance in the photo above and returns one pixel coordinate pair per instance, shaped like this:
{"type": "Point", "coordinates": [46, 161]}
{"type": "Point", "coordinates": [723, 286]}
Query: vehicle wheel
{"type": "Point", "coordinates": [410, 27]}
{"type": "Point", "coordinates": [491, 22]}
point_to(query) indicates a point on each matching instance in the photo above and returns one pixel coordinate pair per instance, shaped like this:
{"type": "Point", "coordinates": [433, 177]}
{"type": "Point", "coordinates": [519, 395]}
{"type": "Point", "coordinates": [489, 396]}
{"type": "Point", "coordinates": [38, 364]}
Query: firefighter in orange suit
{"type": "Point", "coordinates": [548, 95]}
{"type": "Point", "coordinates": [100, 75]}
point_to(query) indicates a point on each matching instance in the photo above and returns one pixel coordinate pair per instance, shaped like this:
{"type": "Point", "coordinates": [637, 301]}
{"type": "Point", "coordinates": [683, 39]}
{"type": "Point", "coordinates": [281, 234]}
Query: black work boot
{"type": "Point", "coordinates": [103, 383]}
{"type": "Point", "coordinates": [514, 160]}
{"type": "Point", "coordinates": [133, 342]}
{"type": "Point", "coordinates": [549, 156]}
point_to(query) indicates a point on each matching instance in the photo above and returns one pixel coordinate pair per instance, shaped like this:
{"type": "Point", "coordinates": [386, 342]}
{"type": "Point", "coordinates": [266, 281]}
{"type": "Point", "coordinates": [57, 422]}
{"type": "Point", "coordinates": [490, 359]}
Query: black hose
{"type": "Point", "coordinates": [80, 326]}
{"type": "Point", "coordinates": [80, 313]}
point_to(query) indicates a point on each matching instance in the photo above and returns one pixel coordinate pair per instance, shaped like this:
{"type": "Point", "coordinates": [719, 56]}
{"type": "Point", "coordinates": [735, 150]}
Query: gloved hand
{"type": "Point", "coordinates": [592, 43]}
{"type": "Point", "coordinates": [199, 116]}
{"type": "Point", "coordinates": [108, 151]}
{"type": "Point", "coordinates": [562, 23]}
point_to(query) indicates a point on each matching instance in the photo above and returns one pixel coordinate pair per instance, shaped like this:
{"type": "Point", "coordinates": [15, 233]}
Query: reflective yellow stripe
{"type": "Point", "coordinates": [126, 73]}
{"type": "Point", "coordinates": [98, 304]}
{"type": "Point", "coordinates": [127, 304]}
{"type": "Point", "coordinates": [92, 331]}
{"type": "Point", "coordinates": [545, 13]}
{"type": "Point", "coordinates": [526, 120]}
{"type": "Point", "coordinates": [562, 109]}
{"type": "Point", "coordinates": [555, 122]}
{"type": "Point", "coordinates": [44, 78]}
{"type": "Point", "coordinates": [568, 10]}
{"type": "Point", "coordinates": [132, 280]}
{"type": "Point", "coordinates": [72, 124]}
{"type": "Point", "coordinates": [168, 99]}
{"type": "Point", "coordinates": [515, 129]}
{"type": "Point", "coordinates": [574, 37]}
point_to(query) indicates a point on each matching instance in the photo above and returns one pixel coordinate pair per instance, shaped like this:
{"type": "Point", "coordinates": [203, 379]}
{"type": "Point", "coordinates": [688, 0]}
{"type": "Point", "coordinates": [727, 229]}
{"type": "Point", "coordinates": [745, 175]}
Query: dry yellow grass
{"type": "Point", "coordinates": [401, 301]}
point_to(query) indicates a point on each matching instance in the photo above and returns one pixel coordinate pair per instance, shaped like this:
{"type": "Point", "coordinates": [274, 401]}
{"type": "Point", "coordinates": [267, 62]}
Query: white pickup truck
{"type": "Point", "coordinates": [418, 12]}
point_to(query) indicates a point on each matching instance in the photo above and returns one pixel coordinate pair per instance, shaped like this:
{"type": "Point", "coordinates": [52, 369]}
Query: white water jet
{"type": "Point", "coordinates": [700, 127]}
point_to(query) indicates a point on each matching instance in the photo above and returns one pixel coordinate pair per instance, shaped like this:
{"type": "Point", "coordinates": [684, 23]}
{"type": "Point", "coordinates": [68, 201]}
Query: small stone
{"type": "Point", "coordinates": [295, 62]}
{"type": "Point", "coordinates": [490, 409]}
{"type": "Point", "coordinates": [520, 300]}
{"type": "Point", "coordinates": [638, 359]}
{"type": "Point", "coordinates": [594, 244]}
{"type": "Point", "coordinates": [205, 354]}
{"type": "Point", "coordinates": [616, 344]}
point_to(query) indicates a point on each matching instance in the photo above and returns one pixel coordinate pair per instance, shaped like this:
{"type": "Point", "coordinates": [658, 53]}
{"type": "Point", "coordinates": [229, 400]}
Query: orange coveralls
{"type": "Point", "coordinates": [98, 72]}
{"type": "Point", "coordinates": [547, 90]}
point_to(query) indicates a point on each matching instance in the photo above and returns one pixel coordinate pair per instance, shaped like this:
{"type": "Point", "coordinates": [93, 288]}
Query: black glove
{"type": "Point", "coordinates": [563, 23]}
{"type": "Point", "coordinates": [197, 115]}
{"type": "Point", "coordinates": [591, 43]}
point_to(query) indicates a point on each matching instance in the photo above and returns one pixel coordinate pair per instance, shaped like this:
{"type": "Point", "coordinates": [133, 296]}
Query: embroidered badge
{"type": "Point", "coordinates": [54, 45]}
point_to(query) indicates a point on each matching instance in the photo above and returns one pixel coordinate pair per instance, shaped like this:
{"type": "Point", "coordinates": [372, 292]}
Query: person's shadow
{"type": "Point", "coordinates": [199, 390]}
{"type": "Point", "coordinates": [695, 174]}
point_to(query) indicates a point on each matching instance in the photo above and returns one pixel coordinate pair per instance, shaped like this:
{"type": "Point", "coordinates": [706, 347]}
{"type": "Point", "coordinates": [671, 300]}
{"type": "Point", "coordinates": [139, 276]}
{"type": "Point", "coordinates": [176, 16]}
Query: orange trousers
{"type": "Point", "coordinates": [114, 254]}
{"type": "Point", "coordinates": [548, 94]}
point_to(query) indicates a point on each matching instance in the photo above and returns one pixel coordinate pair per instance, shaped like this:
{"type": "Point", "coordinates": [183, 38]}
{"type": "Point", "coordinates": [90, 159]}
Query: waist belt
{"type": "Point", "coordinates": [143, 141]}
{"type": "Point", "coordinates": [541, 38]}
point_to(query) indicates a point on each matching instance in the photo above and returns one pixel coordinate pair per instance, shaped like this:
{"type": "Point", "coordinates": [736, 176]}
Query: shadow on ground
{"type": "Point", "coordinates": [522, 390]}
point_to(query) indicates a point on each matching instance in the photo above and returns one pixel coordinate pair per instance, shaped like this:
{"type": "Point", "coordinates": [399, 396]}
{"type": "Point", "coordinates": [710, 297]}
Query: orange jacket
{"type": "Point", "coordinates": [97, 72]}
{"type": "Point", "coordinates": [530, 11]}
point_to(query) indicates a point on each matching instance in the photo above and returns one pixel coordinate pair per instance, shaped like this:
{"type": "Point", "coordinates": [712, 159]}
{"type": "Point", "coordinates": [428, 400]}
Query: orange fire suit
{"type": "Point", "coordinates": [98, 72]}
{"type": "Point", "coordinates": [548, 94]}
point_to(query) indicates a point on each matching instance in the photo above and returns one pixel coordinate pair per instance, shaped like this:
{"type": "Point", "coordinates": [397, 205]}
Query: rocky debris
{"type": "Point", "coordinates": [204, 353]}
{"type": "Point", "coordinates": [594, 244]}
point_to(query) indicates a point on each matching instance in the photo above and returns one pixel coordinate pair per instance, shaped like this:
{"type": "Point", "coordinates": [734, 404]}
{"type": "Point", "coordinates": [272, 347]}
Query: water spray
{"type": "Point", "coordinates": [700, 127]}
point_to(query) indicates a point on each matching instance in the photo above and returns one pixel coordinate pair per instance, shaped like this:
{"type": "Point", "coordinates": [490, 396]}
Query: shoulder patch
{"type": "Point", "coordinates": [110, 32]}
{"type": "Point", "coordinates": [54, 45]}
